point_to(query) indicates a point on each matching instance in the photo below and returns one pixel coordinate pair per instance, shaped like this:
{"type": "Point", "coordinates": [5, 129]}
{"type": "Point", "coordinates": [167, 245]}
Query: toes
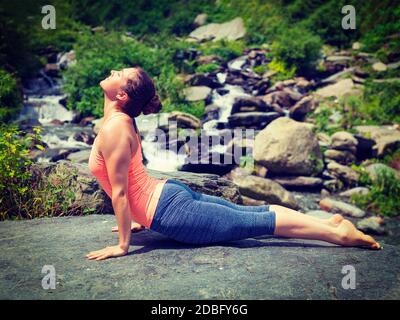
{"type": "Point", "coordinates": [338, 218]}
{"type": "Point", "coordinates": [371, 242]}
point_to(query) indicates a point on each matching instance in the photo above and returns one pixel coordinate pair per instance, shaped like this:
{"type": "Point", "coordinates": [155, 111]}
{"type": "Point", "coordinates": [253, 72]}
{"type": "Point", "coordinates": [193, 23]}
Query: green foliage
{"type": "Point", "coordinates": [247, 162]}
{"type": "Point", "coordinates": [323, 118]}
{"type": "Point", "coordinates": [297, 48]}
{"type": "Point", "coordinates": [386, 99]}
{"type": "Point", "coordinates": [142, 17]}
{"type": "Point", "coordinates": [98, 54]}
{"type": "Point", "coordinates": [380, 104]}
{"type": "Point", "coordinates": [392, 158]}
{"type": "Point", "coordinates": [263, 19]}
{"type": "Point", "coordinates": [317, 164]}
{"type": "Point", "coordinates": [13, 158]}
{"type": "Point", "coordinates": [364, 179]}
{"type": "Point", "coordinates": [375, 21]}
{"type": "Point", "coordinates": [324, 18]}
{"type": "Point", "coordinates": [22, 38]}
{"type": "Point", "coordinates": [383, 197]}
{"type": "Point", "coordinates": [26, 195]}
{"type": "Point", "coordinates": [226, 49]}
{"type": "Point", "coordinates": [283, 72]}
{"type": "Point", "coordinates": [14, 163]}
{"type": "Point", "coordinates": [196, 108]}
{"type": "Point", "coordinates": [261, 69]}
{"type": "Point", "coordinates": [381, 20]}
{"type": "Point", "coordinates": [10, 96]}
{"type": "Point", "coordinates": [206, 68]}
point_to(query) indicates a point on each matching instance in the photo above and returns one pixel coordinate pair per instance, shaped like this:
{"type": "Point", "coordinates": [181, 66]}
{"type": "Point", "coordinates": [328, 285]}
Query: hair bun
{"type": "Point", "coordinates": [153, 106]}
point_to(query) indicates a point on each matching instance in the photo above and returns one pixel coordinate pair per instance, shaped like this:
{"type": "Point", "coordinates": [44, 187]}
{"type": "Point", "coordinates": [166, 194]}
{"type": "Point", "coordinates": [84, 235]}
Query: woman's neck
{"type": "Point", "coordinates": [110, 107]}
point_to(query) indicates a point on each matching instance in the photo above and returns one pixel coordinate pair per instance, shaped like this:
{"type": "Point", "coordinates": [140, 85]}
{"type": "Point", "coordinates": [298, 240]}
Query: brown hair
{"type": "Point", "coordinates": [142, 95]}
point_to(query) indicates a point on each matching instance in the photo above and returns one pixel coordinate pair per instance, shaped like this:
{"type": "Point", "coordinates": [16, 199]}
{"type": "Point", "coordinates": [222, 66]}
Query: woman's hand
{"type": "Point", "coordinates": [108, 252]}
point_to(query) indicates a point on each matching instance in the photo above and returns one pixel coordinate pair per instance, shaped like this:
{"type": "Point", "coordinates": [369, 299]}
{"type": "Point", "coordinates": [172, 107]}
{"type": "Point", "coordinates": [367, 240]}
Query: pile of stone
{"type": "Point", "coordinates": [341, 153]}
{"type": "Point", "coordinates": [342, 149]}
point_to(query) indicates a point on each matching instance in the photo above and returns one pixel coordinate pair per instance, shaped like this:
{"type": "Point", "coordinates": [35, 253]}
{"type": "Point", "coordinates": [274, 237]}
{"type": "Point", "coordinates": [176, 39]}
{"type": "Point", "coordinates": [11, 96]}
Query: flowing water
{"type": "Point", "coordinates": [44, 105]}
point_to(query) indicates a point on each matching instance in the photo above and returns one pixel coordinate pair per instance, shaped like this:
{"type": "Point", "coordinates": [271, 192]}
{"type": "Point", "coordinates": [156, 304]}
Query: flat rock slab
{"type": "Point", "coordinates": [159, 268]}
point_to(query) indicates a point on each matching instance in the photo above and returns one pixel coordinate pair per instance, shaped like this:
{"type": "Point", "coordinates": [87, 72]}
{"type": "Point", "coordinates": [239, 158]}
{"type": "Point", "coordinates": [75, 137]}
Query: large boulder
{"type": "Point", "coordinates": [196, 93]}
{"type": "Point", "coordinates": [231, 30]}
{"type": "Point", "coordinates": [89, 194]}
{"type": "Point", "coordinates": [287, 146]}
{"type": "Point", "coordinates": [200, 19]}
{"type": "Point", "coordinates": [337, 90]}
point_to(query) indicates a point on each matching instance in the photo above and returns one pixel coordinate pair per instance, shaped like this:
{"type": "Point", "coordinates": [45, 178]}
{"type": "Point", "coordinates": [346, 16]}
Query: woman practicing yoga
{"type": "Point", "coordinates": [171, 207]}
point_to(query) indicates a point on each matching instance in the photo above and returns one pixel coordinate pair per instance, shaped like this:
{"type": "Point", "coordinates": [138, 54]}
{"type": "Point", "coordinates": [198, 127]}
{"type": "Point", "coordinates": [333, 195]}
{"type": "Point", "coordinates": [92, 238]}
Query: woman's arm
{"type": "Point", "coordinates": [116, 150]}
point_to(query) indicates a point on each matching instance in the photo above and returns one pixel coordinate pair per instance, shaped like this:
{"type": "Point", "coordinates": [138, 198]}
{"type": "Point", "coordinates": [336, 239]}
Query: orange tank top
{"type": "Point", "coordinates": [143, 190]}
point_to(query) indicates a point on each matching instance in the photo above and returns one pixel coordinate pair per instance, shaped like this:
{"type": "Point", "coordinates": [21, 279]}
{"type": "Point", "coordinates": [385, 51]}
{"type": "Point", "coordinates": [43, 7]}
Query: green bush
{"type": "Point", "coordinates": [263, 19]}
{"type": "Point", "coordinates": [10, 96]}
{"type": "Point", "coordinates": [226, 49]}
{"type": "Point", "coordinates": [379, 104]}
{"type": "Point", "coordinates": [261, 69]}
{"type": "Point", "coordinates": [14, 169]}
{"type": "Point", "coordinates": [142, 17]}
{"type": "Point", "coordinates": [385, 100]}
{"type": "Point", "coordinates": [206, 68]}
{"type": "Point", "coordinates": [383, 197]}
{"type": "Point", "coordinates": [297, 48]}
{"type": "Point", "coordinates": [196, 108]}
{"type": "Point", "coordinates": [98, 54]}
{"type": "Point", "coordinates": [322, 118]}
{"type": "Point", "coordinates": [24, 195]}
{"type": "Point", "coordinates": [282, 71]}
{"type": "Point", "coordinates": [324, 18]}
{"type": "Point", "coordinates": [381, 19]}
{"type": "Point", "coordinates": [23, 40]}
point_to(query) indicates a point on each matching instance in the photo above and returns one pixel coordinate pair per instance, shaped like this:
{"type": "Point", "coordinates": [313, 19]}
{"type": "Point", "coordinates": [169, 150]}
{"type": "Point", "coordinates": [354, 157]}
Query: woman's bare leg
{"type": "Point", "coordinates": [293, 224]}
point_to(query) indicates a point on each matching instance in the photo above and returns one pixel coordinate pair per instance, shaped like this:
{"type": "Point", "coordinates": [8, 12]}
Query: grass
{"type": "Point", "coordinates": [383, 197]}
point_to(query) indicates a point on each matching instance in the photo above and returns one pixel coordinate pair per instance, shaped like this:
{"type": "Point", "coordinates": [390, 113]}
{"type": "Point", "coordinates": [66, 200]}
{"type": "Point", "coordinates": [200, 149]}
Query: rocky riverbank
{"type": "Point", "coordinates": [290, 155]}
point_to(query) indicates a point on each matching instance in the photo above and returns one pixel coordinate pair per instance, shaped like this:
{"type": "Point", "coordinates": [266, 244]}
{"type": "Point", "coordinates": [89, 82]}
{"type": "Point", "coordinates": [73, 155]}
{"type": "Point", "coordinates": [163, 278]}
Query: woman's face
{"type": "Point", "coordinates": [115, 81]}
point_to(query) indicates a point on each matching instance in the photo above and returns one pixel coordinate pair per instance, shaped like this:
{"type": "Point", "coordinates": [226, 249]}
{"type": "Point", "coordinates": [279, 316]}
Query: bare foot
{"type": "Point", "coordinates": [351, 236]}
{"type": "Point", "coordinates": [335, 220]}
{"type": "Point", "coordinates": [135, 227]}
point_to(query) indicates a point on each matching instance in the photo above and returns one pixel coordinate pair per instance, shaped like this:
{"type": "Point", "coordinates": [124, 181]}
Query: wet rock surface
{"type": "Point", "coordinates": [158, 268]}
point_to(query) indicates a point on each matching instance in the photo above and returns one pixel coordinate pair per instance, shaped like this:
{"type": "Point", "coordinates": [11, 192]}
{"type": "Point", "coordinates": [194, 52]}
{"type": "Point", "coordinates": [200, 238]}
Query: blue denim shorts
{"type": "Point", "coordinates": [197, 218]}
